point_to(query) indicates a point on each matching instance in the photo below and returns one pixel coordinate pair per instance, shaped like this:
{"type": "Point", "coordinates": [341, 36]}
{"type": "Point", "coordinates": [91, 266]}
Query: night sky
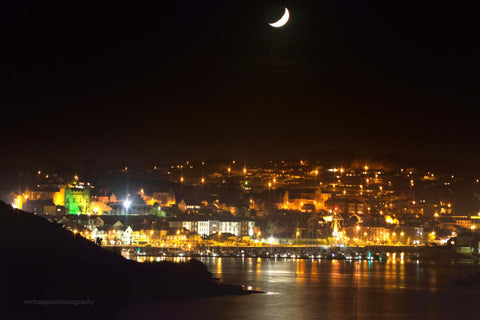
{"type": "Point", "coordinates": [158, 80]}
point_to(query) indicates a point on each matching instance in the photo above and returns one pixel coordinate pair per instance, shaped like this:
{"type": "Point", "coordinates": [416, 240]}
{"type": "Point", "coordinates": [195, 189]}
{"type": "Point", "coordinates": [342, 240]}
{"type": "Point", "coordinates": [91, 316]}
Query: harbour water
{"type": "Point", "coordinates": [327, 289]}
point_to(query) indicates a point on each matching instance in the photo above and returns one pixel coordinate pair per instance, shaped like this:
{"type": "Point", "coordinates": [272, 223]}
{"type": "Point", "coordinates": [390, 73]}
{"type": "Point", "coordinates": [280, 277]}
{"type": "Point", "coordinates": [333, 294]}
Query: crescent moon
{"type": "Point", "coordinates": [283, 20]}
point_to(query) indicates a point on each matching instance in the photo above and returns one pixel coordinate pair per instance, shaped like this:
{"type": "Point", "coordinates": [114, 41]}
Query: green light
{"type": "Point", "coordinates": [72, 207]}
{"type": "Point", "coordinates": [77, 201]}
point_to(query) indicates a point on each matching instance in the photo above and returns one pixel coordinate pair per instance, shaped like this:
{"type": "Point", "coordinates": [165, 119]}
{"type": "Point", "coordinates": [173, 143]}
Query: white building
{"type": "Point", "coordinates": [125, 234]}
{"type": "Point", "coordinates": [232, 227]}
{"type": "Point", "coordinates": [247, 228]}
{"type": "Point", "coordinates": [113, 236]}
{"type": "Point", "coordinates": [208, 227]}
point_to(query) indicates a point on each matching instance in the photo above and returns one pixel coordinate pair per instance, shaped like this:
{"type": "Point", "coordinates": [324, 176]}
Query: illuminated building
{"type": "Point", "coordinates": [190, 206]}
{"type": "Point", "coordinates": [77, 200]}
{"type": "Point", "coordinates": [44, 193]}
{"type": "Point", "coordinates": [162, 198]}
{"type": "Point", "coordinates": [53, 193]}
{"type": "Point", "coordinates": [114, 235]}
{"type": "Point", "coordinates": [302, 200]}
{"type": "Point", "coordinates": [97, 207]}
{"type": "Point", "coordinates": [206, 227]}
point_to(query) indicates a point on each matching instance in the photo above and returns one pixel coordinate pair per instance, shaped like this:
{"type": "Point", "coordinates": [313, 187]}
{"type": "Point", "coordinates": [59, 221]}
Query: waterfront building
{"type": "Point", "coordinates": [114, 235]}
{"type": "Point", "coordinates": [100, 233]}
{"type": "Point", "coordinates": [232, 227]}
{"type": "Point", "coordinates": [124, 234]}
{"type": "Point", "coordinates": [247, 228]}
{"type": "Point", "coordinates": [205, 226]}
{"type": "Point", "coordinates": [177, 237]}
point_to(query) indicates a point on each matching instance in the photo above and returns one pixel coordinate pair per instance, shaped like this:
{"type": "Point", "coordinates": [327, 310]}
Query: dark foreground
{"type": "Point", "coordinates": [44, 263]}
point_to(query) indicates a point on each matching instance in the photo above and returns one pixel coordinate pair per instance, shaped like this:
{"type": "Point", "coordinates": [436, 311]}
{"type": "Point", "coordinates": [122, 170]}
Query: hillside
{"type": "Point", "coordinates": [41, 260]}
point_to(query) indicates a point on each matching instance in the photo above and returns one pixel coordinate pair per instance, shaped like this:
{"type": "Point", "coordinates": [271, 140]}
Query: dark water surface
{"type": "Point", "coordinates": [332, 289]}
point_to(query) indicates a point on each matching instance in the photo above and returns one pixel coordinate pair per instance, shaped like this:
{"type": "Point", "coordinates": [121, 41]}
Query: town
{"type": "Point", "coordinates": [297, 203]}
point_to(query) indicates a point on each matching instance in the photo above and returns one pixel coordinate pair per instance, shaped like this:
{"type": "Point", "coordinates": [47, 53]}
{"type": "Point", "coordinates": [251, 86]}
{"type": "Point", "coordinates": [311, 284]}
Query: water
{"type": "Point", "coordinates": [332, 289]}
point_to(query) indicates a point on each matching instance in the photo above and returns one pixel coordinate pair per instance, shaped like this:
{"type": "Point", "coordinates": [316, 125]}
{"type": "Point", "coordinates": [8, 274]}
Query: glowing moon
{"type": "Point", "coordinates": [283, 20]}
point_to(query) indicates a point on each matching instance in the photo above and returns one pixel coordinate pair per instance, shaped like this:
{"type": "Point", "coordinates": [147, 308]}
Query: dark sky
{"type": "Point", "coordinates": [158, 80]}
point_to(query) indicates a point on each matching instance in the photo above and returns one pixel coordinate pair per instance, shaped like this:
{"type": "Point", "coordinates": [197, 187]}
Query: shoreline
{"type": "Point", "coordinates": [343, 253]}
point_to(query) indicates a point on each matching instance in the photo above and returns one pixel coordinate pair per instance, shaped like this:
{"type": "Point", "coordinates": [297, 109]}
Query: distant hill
{"type": "Point", "coordinates": [41, 260]}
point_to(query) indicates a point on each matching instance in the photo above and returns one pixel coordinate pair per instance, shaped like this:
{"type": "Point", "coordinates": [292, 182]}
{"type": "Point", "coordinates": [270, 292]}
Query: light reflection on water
{"type": "Point", "coordinates": [325, 289]}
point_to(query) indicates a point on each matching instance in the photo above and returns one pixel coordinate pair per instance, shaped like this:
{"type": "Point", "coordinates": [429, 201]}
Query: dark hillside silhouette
{"type": "Point", "coordinates": [41, 260]}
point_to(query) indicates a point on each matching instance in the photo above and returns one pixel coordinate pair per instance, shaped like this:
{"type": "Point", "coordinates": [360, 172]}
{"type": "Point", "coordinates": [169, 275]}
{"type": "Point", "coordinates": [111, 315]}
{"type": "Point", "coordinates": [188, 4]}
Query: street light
{"type": "Point", "coordinates": [126, 204]}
